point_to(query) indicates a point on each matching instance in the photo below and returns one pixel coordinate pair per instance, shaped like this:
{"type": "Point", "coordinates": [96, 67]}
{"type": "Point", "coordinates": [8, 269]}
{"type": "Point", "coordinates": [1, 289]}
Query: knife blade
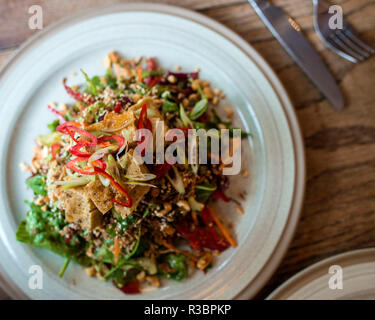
{"type": "Point", "coordinates": [289, 34]}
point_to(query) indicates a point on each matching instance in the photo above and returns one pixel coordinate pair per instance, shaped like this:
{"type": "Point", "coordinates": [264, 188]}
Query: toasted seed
{"type": "Point", "coordinates": [172, 79]}
{"type": "Point", "coordinates": [239, 209]}
{"type": "Point", "coordinates": [184, 205]}
{"type": "Point", "coordinates": [204, 261]}
{"type": "Point", "coordinates": [208, 92]}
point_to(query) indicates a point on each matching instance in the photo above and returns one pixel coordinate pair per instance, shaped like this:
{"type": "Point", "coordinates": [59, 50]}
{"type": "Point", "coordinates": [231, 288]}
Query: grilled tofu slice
{"type": "Point", "coordinates": [79, 209]}
{"type": "Point", "coordinates": [114, 120]}
{"type": "Point", "coordinates": [136, 192]}
{"type": "Point", "coordinates": [100, 195]}
{"type": "Point", "coordinates": [55, 173]}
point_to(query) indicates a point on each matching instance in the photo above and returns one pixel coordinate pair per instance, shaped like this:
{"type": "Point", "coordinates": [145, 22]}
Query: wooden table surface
{"type": "Point", "coordinates": [339, 210]}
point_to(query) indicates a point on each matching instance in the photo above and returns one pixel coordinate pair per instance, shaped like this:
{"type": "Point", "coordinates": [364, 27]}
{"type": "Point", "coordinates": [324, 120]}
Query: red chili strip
{"type": "Point", "coordinates": [76, 150]}
{"type": "Point", "coordinates": [71, 128]}
{"type": "Point", "coordinates": [115, 185]}
{"type": "Point", "coordinates": [72, 166]}
{"type": "Point", "coordinates": [144, 123]}
{"type": "Point", "coordinates": [100, 164]}
{"type": "Point", "coordinates": [119, 139]}
{"type": "Point", "coordinates": [121, 203]}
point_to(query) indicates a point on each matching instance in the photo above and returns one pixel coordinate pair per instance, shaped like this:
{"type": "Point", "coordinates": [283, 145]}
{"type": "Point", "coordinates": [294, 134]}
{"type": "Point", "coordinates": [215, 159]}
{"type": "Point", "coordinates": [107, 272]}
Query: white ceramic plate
{"type": "Point", "coordinates": [312, 283]}
{"type": "Point", "coordinates": [274, 154]}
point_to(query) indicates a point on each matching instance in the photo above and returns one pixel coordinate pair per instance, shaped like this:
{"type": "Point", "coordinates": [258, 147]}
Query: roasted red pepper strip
{"type": "Point", "coordinates": [202, 237]}
{"type": "Point", "coordinates": [117, 108]}
{"type": "Point", "coordinates": [119, 139]}
{"type": "Point", "coordinates": [131, 287]}
{"type": "Point", "coordinates": [54, 148]}
{"type": "Point", "coordinates": [151, 65]}
{"type": "Point", "coordinates": [115, 185]}
{"type": "Point", "coordinates": [76, 95]}
{"type": "Point", "coordinates": [161, 170]}
{"type": "Point", "coordinates": [151, 82]}
{"type": "Point", "coordinates": [218, 194]}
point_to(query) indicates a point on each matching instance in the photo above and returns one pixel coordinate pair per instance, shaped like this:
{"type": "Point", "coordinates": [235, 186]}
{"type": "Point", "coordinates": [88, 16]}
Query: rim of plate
{"type": "Point", "coordinates": [320, 268]}
{"type": "Point", "coordinates": [299, 151]}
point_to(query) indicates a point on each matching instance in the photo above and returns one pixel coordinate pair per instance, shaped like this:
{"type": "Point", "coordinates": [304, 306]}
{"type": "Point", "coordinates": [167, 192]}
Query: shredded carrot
{"type": "Point", "coordinates": [117, 249]}
{"type": "Point", "coordinates": [139, 73]}
{"type": "Point", "coordinates": [169, 246]}
{"type": "Point", "coordinates": [222, 228]}
{"type": "Point", "coordinates": [80, 106]}
{"type": "Point", "coordinates": [195, 217]}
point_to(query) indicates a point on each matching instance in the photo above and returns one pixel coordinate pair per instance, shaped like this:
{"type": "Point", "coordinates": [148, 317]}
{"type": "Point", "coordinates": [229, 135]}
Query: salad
{"type": "Point", "coordinates": [98, 206]}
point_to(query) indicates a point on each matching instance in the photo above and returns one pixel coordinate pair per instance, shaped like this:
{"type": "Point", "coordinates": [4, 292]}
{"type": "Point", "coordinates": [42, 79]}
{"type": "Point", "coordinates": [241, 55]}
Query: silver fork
{"type": "Point", "coordinates": [342, 41]}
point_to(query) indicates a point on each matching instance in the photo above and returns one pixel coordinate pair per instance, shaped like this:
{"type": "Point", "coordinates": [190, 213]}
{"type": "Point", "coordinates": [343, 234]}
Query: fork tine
{"type": "Point", "coordinates": [358, 41]}
{"type": "Point", "coordinates": [351, 44]}
{"type": "Point", "coordinates": [330, 44]}
{"type": "Point", "coordinates": [343, 47]}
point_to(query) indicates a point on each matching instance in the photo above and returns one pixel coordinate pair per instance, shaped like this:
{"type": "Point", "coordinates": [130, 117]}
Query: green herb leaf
{"type": "Point", "coordinates": [203, 192]}
{"type": "Point", "coordinates": [42, 229]}
{"type": "Point", "coordinates": [177, 263]}
{"type": "Point", "coordinates": [38, 184]}
{"type": "Point", "coordinates": [169, 106]}
{"type": "Point", "coordinates": [53, 125]}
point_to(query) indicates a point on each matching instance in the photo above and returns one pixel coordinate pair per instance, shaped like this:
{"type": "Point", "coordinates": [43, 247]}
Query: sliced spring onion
{"type": "Point", "coordinates": [141, 177]}
{"type": "Point", "coordinates": [141, 184]}
{"type": "Point", "coordinates": [185, 119]}
{"type": "Point", "coordinates": [105, 182]}
{"type": "Point", "coordinates": [49, 139]}
{"type": "Point", "coordinates": [64, 267]}
{"type": "Point", "coordinates": [206, 187]}
{"type": "Point", "coordinates": [199, 109]}
{"type": "Point", "coordinates": [176, 182]}
{"type": "Point", "coordinates": [67, 184]}
{"type": "Point", "coordinates": [194, 168]}
{"type": "Point", "coordinates": [112, 166]}
{"type": "Point", "coordinates": [125, 145]}
{"type": "Point", "coordinates": [195, 205]}
{"type": "Point", "coordinates": [101, 153]}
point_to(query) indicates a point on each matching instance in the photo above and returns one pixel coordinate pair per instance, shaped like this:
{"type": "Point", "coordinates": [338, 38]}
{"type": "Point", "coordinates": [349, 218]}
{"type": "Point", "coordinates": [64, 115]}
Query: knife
{"type": "Point", "coordinates": [289, 34]}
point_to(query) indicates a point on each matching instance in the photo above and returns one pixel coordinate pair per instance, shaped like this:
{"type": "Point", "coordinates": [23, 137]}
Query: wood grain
{"type": "Point", "coordinates": [339, 210]}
